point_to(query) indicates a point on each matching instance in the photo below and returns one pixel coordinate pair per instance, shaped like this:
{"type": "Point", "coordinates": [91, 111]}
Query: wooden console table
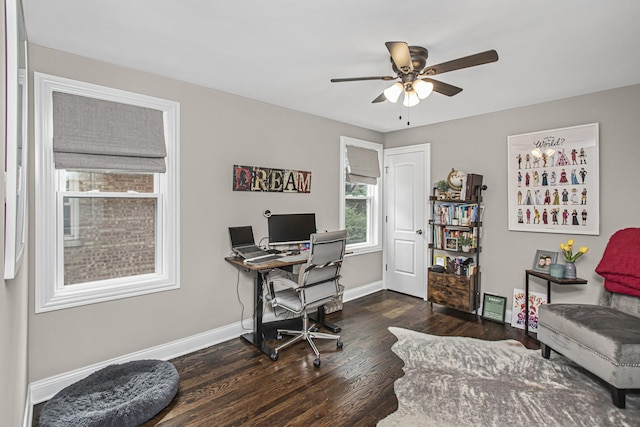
{"type": "Point", "coordinates": [549, 280]}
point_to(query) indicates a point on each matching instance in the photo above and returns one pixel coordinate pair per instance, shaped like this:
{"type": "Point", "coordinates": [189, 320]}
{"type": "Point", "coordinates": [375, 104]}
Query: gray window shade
{"type": "Point", "coordinates": [363, 166]}
{"type": "Point", "coordinates": [91, 133]}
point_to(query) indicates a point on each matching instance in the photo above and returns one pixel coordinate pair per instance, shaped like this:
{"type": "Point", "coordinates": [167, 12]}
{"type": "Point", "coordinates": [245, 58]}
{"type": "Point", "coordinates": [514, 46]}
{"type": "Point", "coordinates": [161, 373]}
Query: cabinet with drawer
{"type": "Point", "coordinates": [452, 290]}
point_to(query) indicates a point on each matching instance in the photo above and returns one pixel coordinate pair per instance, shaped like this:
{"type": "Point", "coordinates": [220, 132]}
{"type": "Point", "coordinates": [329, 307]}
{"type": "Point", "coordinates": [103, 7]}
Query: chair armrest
{"type": "Point", "coordinates": [284, 282]}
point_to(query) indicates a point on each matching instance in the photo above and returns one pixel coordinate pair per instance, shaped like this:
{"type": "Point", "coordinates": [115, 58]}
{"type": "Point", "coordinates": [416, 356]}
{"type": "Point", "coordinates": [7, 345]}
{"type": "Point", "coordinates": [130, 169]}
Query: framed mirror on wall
{"type": "Point", "coordinates": [15, 138]}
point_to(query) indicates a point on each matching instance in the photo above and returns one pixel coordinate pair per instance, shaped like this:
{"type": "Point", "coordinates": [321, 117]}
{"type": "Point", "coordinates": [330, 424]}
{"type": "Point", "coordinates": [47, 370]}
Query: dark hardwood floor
{"type": "Point", "coordinates": [233, 384]}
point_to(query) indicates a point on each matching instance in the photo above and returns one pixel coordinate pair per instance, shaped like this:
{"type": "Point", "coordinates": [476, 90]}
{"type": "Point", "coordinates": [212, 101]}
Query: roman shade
{"type": "Point", "coordinates": [363, 166]}
{"type": "Point", "coordinates": [91, 133]}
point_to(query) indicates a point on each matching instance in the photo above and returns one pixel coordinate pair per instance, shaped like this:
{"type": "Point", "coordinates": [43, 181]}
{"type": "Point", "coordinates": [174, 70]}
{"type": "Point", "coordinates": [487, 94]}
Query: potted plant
{"type": "Point", "coordinates": [442, 186]}
{"type": "Point", "coordinates": [465, 241]}
{"type": "Point", "coordinates": [570, 257]}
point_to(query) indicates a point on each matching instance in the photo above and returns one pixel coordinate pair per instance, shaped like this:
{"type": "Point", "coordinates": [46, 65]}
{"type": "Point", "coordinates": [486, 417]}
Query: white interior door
{"type": "Point", "coordinates": [406, 239]}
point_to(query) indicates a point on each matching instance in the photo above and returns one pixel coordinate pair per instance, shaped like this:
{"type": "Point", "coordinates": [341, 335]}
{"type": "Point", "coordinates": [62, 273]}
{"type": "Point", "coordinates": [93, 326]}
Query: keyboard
{"type": "Point", "coordinates": [294, 258]}
{"type": "Point", "coordinates": [263, 260]}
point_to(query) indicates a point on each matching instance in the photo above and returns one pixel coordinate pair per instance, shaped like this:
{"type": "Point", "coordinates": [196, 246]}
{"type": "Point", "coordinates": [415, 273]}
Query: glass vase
{"type": "Point", "coordinates": [570, 270]}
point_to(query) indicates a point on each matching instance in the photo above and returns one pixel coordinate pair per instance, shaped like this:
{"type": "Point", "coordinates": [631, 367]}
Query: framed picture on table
{"type": "Point", "coordinates": [543, 260]}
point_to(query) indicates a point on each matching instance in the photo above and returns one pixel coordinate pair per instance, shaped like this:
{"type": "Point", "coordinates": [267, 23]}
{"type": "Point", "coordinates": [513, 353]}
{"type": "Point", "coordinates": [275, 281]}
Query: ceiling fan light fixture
{"type": "Point", "coordinates": [410, 98]}
{"type": "Point", "coordinates": [392, 93]}
{"type": "Point", "coordinates": [422, 88]}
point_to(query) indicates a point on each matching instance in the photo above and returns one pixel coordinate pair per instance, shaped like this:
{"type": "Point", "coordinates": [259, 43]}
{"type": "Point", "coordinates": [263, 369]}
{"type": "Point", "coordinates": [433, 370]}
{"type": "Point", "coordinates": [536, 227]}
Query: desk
{"type": "Point", "coordinates": [261, 270]}
{"type": "Point", "coordinates": [549, 280]}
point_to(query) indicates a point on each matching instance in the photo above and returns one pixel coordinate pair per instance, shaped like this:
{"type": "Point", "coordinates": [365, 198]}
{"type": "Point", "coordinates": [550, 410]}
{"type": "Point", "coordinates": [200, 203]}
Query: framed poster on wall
{"type": "Point", "coordinates": [15, 205]}
{"type": "Point", "coordinates": [553, 181]}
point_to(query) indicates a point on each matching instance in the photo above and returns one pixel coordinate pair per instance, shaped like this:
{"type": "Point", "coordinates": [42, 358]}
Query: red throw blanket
{"type": "Point", "coordinates": [620, 263]}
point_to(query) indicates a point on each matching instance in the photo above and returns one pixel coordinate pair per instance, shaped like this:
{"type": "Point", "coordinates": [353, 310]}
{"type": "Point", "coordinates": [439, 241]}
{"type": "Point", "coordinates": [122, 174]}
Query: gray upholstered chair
{"type": "Point", "coordinates": [605, 338]}
{"type": "Point", "coordinates": [317, 284]}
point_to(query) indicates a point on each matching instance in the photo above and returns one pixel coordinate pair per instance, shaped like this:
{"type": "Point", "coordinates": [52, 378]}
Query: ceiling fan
{"type": "Point", "coordinates": [410, 65]}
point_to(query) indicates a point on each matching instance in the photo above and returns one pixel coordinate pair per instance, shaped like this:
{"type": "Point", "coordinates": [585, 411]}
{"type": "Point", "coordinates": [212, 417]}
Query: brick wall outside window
{"type": "Point", "coordinates": [115, 236]}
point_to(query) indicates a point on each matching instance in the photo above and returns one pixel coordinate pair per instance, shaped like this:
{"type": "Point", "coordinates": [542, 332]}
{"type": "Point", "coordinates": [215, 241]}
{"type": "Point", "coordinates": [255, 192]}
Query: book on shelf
{"type": "Point", "coordinates": [471, 182]}
{"type": "Point", "coordinates": [464, 214]}
{"type": "Point", "coordinates": [461, 266]}
{"type": "Point", "coordinates": [443, 232]}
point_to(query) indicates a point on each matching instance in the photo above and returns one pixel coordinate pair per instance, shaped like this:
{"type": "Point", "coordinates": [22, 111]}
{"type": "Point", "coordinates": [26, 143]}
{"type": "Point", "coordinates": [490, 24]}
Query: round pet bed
{"type": "Point", "coordinates": [118, 395]}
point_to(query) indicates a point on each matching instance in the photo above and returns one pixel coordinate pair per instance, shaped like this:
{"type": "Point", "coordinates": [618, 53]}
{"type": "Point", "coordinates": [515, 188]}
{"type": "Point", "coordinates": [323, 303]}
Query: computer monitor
{"type": "Point", "coordinates": [287, 229]}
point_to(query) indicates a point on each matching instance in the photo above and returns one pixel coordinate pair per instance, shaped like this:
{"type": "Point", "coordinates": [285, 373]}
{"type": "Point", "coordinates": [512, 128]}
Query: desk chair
{"type": "Point", "coordinates": [317, 284]}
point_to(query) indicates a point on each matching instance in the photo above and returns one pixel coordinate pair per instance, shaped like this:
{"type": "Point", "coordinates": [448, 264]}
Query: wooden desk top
{"type": "Point", "coordinates": [264, 266]}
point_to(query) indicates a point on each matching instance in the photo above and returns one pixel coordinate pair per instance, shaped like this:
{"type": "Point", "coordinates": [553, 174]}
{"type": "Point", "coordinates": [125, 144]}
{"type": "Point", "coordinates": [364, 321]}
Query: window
{"type": "Point", "coordinates": [360, 194]}
{"type": "Point", "coordinates": [114, 232]}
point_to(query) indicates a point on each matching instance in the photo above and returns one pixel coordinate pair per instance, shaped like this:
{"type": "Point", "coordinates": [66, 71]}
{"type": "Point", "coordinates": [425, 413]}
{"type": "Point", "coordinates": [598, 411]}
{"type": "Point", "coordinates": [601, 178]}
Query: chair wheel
{"type": "Point", "coordinates": [279, 336]}
{"type": "Point", "coordinates": [316, 363]}
{"type": "Point", "coordinates": [313, 329]}
{"type": "Point", "coordinates": [273, 356]}
{"type": "Point", "coordinates": [339, 344]}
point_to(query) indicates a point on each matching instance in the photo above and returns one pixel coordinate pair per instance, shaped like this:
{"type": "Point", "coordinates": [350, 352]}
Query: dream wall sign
{"type": "Point", "coordinates": [553, 181]}
{"type": "Point", "coordinates": [257, 178]}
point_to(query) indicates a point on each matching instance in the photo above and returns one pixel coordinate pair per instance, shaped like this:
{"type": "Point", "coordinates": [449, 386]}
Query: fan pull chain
{"type": "Point", "coordinates": [408, 117]}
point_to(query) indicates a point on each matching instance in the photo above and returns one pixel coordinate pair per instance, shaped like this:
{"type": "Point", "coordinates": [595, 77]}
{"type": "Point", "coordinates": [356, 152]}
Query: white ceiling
{"type": "Point", "coordinates": [284, 52]}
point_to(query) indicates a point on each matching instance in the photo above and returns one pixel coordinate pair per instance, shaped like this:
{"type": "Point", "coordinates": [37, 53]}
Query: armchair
{"type": "Point", "coordinates": [604, 338]}
{"type": "Point", "coordinates": [317, 284]}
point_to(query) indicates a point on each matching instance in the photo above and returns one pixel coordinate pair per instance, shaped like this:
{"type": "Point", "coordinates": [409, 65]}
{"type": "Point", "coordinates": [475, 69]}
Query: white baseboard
{"type": "Point", "coordinates": [45, 389]}
{"type": "Point", "coordinates": [42, 390]}
{"type": "Point", "coordinates": [361, 291]}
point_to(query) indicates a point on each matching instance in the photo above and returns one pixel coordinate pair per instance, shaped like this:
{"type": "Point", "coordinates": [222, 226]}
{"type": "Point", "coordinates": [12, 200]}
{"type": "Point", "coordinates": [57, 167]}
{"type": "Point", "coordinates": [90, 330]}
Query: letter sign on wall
{"type": "Point", "coordinates": [257, 178]}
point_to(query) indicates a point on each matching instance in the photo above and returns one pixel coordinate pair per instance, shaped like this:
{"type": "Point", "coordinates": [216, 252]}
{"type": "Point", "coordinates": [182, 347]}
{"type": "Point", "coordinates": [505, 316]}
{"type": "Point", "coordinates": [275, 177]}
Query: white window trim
{"type": "Point", "coordinates": [50, 294]}
{"type": "Point", "coordinates": [72, 239]}
{"type": "Point", "coordinates": [376, 202]}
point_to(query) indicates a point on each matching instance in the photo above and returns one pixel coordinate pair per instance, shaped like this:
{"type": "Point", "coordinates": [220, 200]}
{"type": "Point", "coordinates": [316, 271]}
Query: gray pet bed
{"type": "Point", "coordinates": [118, 395]}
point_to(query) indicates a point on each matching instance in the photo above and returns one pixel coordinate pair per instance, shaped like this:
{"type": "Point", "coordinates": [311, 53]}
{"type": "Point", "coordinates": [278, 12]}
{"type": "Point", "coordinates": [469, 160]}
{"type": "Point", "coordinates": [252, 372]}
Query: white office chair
{"type": "Point", "coordinates": [317, 284]}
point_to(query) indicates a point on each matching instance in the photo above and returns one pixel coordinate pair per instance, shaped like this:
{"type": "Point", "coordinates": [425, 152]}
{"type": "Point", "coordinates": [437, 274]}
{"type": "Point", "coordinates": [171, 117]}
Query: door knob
{"type": "Point", "coordinates": [418, 231]}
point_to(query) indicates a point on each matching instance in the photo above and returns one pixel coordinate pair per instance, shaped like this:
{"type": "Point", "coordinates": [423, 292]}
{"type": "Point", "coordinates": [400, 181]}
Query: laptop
{"type": "Point", "coordinates": [243, 243]}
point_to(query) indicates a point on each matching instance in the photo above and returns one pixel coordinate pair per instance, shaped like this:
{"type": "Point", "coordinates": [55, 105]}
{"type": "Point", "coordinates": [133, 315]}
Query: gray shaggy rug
{"type": "Point", "coordinates": [456, 381]}
{"type": "Point", "coordinates": [119, 395]}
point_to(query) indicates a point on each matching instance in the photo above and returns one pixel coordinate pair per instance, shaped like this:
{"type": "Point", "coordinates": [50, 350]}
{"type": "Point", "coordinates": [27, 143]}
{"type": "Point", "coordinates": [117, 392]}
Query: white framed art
{"type": "Point", "coordinates": [15, 206]}
{"type": "Point", "coordinates": [553, 181]}
{"type": "Point", "coordinates": [519, 304]}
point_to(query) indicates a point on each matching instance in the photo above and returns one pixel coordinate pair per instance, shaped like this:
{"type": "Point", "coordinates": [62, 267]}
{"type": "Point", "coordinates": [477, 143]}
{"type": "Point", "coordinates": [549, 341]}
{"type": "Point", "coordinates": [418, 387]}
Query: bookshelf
{"type": "Point", "coordinates": [454, 248]}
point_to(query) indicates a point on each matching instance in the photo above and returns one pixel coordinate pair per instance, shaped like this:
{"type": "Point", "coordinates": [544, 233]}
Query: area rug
{"type": "Point", "coordinates": [457, 381]}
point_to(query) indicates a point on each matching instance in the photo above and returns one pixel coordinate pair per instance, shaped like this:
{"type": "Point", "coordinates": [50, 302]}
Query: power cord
{"type": "Point", "coordinates": [288, 315]}
{"type": "Point", "coordinates": [240, 301]}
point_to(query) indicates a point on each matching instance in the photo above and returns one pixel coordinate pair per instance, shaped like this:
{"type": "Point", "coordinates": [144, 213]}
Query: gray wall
{"type": "Point", "coordinates": [479, 144]}
{"type": "Point", "coordinates": [13, 312]}
{"type": "Point", "coordinates": [218, 130]}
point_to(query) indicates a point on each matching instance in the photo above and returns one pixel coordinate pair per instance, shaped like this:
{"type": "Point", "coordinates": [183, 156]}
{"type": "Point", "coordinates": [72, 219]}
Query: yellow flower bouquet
{"type": "Point", "coordinates": [567, 251]}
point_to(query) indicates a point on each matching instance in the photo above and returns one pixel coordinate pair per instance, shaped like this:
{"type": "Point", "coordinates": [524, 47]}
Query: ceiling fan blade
{"type": "Point", "coordinates": [466, 62]}
{"type": "Point", "coordinates": [401, 56]}
{"type": "Point", "coordinates": [444, 88]}
{"type": "Point", "coordinates": [380, 98]}
{"type": "Point", "coordinates": [355, 79]}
